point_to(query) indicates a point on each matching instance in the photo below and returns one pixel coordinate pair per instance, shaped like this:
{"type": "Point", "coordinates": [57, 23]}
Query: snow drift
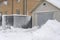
{"type": "Point", "coordinates": [49, 31]}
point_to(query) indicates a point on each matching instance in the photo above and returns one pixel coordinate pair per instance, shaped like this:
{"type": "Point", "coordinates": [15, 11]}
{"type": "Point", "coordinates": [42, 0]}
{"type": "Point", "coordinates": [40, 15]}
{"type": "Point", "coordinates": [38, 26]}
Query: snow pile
{"type": "Point", "coordinates": [49, 31]}
{"type": "Point", "coordinates": [15, 34]}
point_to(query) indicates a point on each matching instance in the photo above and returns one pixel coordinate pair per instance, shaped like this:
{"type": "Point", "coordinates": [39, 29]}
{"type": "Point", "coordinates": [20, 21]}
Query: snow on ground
{"type": "Point", "coordinates": [15, 35]}
{"type": "Point", "coordinates": [49, 31]}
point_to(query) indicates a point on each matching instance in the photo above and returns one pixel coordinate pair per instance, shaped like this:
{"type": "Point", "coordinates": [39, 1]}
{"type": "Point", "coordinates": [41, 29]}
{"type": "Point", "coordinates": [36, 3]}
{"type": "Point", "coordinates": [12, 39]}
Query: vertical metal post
{"type": "Point", "coordinates": [25, 7]}
{"type": "Point", "coordinates": [12, 7]}
{"type": "Point", "coordinates": [12, 10]}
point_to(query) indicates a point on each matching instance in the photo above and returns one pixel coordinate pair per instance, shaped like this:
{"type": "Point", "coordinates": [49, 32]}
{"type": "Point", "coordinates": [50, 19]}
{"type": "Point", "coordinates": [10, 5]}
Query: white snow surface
{"type": "Point", "coordinates": [49, 31]}
{"type": "Point", "coordinates": [55, 2]}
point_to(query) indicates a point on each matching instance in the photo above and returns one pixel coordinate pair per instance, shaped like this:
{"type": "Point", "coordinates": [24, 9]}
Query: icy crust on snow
{"type": "Point", "coordinates": [49, 31]}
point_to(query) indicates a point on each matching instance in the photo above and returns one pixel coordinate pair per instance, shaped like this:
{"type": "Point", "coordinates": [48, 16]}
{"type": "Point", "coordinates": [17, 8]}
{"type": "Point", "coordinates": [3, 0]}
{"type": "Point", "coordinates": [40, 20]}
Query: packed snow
{"type": "Point", "coordinates": [49, 31]}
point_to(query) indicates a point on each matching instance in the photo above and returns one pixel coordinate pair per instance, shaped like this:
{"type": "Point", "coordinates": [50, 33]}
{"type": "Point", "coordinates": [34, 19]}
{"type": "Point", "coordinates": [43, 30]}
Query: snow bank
{"type": "Point", "coordinates": [15, 34]}
{"type": "Point", "coordinates": [49, 31]}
